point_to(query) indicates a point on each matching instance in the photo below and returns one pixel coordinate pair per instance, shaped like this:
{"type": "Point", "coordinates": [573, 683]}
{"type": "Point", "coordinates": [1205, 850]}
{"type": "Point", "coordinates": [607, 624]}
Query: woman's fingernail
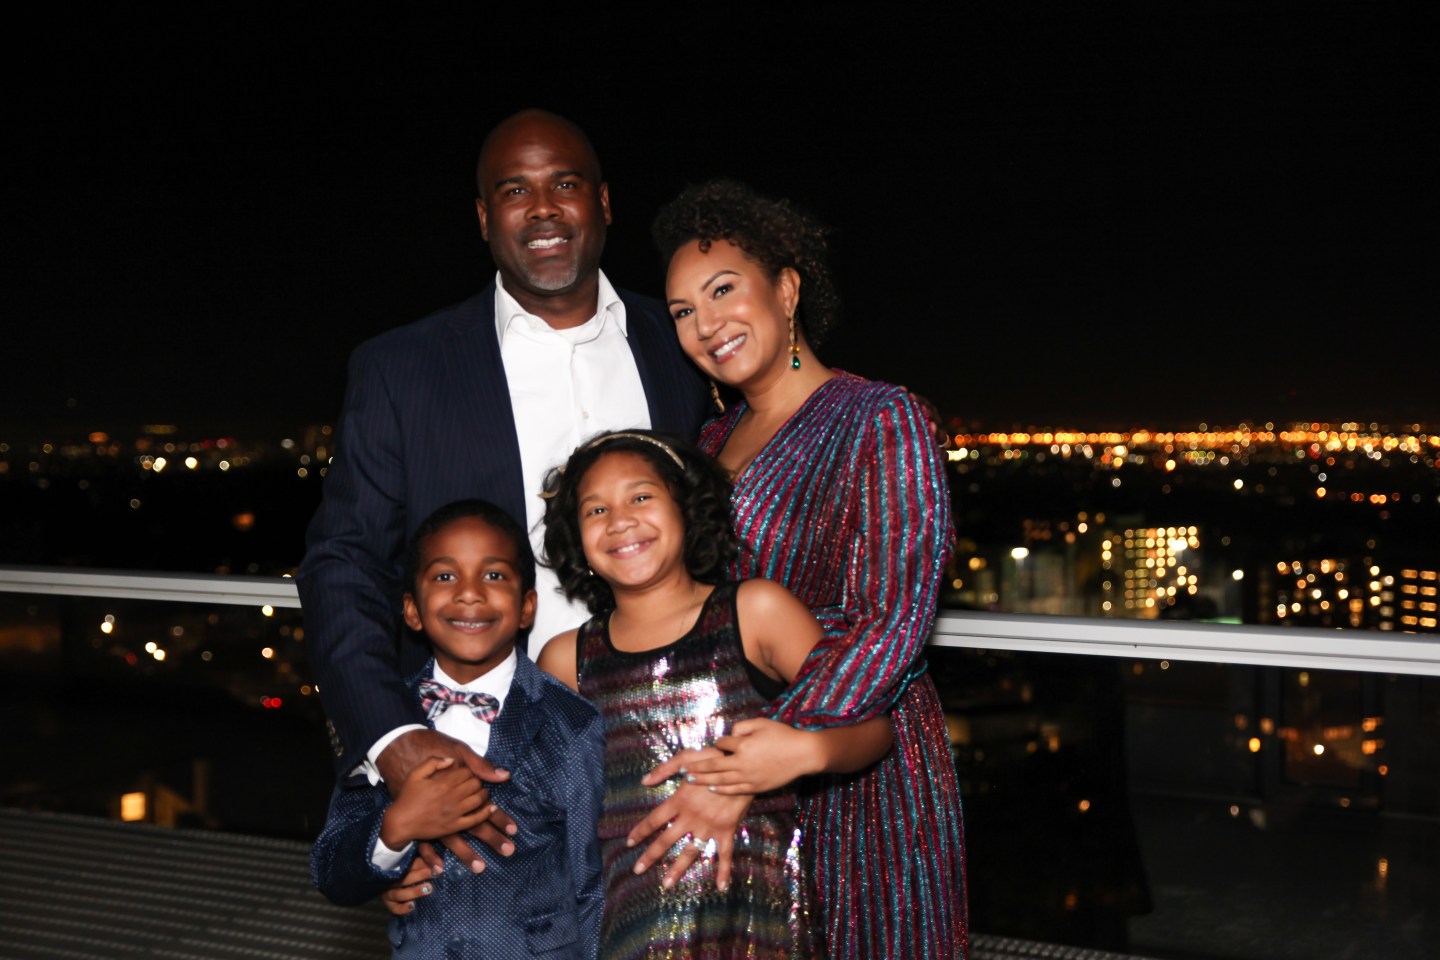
{"type": "Point", "coordinates": [425, 889]}
{"type": "Point", "coordinates": [639, 866]}
{"type": "Point", "coordinates": [689, 778]}
{"type": "Point", "coordinates": [711, 788]}
{"type": "Point", "coordinates": [410, 907]}
{"type": "Point", "coordinates": [478, 866]}
{"type": "Point", "coordinates": [723, 885]}
{"type": "Point", "coordinates": [667, 883]}
{"type": "Point", "coordinates": [683, 771]}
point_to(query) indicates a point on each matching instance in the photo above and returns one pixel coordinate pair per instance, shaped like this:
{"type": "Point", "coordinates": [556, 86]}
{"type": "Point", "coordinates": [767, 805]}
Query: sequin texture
{"type": "Point", "coordinates": [848, 507]}
{"type": "Point", "coordinates": [654, 703]}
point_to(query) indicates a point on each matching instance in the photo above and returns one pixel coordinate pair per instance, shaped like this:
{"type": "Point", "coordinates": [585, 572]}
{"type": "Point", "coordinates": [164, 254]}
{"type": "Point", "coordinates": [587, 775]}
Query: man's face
{"type": "Point", "coordinates": [542, 208]}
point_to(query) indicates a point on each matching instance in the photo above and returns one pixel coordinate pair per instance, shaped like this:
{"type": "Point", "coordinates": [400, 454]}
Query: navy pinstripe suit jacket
{"type": "Point", "coordinates": [427, 421]}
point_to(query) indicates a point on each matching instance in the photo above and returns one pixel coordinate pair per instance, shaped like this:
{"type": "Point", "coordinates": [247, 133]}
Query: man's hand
{"type": "Point", "coordinates": [408, 751]}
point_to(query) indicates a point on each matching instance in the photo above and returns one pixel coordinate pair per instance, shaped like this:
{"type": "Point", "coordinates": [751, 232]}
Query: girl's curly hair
{"type": "Point", "coordinates": [701, 489]}
{"type": "Point", "coordinates": [771, 232]}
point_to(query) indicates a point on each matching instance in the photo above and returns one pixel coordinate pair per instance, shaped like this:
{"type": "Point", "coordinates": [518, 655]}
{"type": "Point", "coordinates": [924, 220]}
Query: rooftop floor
{"type": "Point", "coordinates": [84, 888]}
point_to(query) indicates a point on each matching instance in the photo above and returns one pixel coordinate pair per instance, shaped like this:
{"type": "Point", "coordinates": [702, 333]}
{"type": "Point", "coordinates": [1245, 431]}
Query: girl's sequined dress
{"type": "Point", "coordinates": [847, 506]}
{"type": "Point", "coordinates": [655, 703]}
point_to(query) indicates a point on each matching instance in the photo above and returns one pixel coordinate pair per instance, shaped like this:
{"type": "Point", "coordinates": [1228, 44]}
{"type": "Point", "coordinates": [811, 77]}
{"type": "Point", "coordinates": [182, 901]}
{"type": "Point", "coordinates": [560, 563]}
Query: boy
{"type": "Point", "coordinates": [472, 576]}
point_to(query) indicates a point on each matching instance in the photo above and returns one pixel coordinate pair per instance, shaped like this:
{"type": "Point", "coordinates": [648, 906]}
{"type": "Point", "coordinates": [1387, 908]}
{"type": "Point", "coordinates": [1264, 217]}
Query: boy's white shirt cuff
{"type": "Point", "coordinates": [389, 860]}
{"type": "Point", "coordinates": [371, 767]}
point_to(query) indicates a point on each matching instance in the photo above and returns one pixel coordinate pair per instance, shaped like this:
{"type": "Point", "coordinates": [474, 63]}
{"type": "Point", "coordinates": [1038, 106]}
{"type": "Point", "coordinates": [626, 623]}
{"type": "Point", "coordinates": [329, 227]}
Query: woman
{"type": "Point", "coordinates": [840, 496]}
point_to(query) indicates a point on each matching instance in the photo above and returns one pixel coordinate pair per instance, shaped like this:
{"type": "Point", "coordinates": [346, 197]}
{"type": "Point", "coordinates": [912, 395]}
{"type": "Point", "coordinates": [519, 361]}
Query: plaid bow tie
{"type": "Point", "coordinates": [436, 698]}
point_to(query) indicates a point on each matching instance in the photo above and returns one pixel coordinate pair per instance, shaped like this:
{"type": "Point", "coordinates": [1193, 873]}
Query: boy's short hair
{"type": "Point", "coordinates": [482, 510]}
{"type": "Point", "coordinates": [701, 489]}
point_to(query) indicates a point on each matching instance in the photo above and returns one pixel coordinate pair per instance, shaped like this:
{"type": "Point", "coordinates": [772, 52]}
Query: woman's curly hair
{"type": "Point", "coordinates": [771, 232]}
{"type": "Point", "coordinates": [701, 489]}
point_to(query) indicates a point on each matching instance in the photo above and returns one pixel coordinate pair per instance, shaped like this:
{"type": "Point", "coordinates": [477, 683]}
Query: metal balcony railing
{"type": "Point", "coordinates": [1297, 647]}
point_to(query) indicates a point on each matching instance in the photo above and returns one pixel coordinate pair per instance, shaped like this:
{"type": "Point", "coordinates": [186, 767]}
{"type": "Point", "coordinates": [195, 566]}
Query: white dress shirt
{"type": "Point", "coordinates": [565, 387]}
{"type": "Point", "coordinates": [461, 723]}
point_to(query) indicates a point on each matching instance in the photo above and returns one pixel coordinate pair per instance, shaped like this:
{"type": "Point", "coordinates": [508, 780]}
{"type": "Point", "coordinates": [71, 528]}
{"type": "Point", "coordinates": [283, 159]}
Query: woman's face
{"type": "Point", "coordinates": [732, 319]}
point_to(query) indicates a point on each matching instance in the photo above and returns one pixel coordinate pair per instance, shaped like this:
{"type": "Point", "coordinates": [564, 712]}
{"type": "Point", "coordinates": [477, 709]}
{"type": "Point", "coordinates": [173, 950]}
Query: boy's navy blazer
{"type": "Point", "coordinates": [427, 421]}
{"type": "Point", "coordinates": [543, 900]}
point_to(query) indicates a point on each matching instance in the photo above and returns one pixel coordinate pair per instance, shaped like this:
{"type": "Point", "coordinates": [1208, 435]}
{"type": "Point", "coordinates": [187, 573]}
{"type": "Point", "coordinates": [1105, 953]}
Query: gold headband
{"type": "Point", "coordinates": [643, 437]}
{"type": "Point", "coordinates": [668, 450]}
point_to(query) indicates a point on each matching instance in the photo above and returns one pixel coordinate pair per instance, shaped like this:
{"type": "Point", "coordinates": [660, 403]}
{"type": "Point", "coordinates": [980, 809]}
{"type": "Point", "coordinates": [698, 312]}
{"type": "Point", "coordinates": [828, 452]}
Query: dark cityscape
{"type": "Point", "coordinates": [1126, 251]}
{"type": "Point", "coordinates": [1313, 524]}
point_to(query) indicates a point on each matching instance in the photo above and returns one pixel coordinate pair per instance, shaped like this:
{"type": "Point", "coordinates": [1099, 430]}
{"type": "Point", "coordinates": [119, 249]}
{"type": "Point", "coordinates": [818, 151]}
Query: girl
{"type": "Point", "coordinates": [638, 527]}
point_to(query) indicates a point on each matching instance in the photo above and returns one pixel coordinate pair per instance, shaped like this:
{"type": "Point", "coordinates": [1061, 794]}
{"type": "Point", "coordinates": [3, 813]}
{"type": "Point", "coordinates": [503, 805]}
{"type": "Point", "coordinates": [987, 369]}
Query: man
{"type": "Point", "coordinates": [478, 400]}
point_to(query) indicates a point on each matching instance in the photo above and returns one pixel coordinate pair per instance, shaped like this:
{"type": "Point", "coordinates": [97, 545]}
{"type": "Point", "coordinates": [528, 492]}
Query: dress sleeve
{"type": "Point", "coordinates": [898, 537]}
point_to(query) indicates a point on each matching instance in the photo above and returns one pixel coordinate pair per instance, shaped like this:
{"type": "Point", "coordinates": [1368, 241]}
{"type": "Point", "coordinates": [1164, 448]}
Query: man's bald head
{"type": "Point", "coordinates": [529, 124]}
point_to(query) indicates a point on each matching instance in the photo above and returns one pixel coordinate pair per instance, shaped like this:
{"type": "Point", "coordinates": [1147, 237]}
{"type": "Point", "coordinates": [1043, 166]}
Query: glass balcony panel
{"type": "Point", "coordinates": [206, 711]}
{"type": "Point", "coordinates": [1178, 809]}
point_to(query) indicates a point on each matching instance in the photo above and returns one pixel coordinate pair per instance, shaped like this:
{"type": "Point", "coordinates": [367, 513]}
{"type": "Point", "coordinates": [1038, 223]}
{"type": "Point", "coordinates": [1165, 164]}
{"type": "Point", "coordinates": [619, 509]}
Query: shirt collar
{"type": "Point", "coordinates": [508, 311]}
{"type": "Point", "coordinates": [496, 682]}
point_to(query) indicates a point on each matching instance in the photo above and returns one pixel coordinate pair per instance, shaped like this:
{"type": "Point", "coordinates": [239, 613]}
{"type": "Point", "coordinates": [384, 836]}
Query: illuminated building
{"type": "Point", "coordinates": [1417, 597]}
{"type": "Point", "coordinates": [1329, 592]}
{"type": "Point", "coordinates": [1147, 569]}
{"type": "Point", "coordinates": [1349, 594]}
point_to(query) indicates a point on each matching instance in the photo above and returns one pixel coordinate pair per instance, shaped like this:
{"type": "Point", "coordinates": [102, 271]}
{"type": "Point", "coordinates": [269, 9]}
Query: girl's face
{"type": "Point", "coordinates": [732, 319]}
{"type": "Point", "coordinates": [630, 525]}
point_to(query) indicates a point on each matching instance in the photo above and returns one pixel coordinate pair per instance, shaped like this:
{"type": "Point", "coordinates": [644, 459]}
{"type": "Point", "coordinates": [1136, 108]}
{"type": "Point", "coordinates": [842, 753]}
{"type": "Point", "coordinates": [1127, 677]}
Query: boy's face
{"type": "Point", "coordinates": [468, 599]}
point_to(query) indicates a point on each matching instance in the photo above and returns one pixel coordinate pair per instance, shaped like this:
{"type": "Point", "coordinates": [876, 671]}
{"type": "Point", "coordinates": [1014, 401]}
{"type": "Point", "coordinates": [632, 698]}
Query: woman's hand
{"type": "Point", "coordinates": [758, 756]}
{"type": "Point", "coordinates": [761, 755]}
{"type": "Point", "coordinates": [400, 899]}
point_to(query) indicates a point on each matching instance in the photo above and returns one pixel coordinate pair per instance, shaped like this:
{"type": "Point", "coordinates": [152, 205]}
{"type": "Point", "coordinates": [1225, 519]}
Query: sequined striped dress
{"type": "Point", "coordinates": [847, 506]}
{"type": "Point", "coordinates": [654, 703]}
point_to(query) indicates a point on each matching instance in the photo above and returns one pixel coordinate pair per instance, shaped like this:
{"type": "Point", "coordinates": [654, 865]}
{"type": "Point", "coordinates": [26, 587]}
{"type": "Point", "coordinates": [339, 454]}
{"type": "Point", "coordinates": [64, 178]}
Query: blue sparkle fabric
{"type": "Point", "coordinates": [543, 901]}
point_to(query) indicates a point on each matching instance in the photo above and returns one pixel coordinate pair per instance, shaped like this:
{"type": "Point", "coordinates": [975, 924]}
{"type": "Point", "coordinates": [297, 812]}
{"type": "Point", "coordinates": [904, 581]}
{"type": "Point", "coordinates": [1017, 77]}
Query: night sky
{"type": "Point", "coordinates": [1065, 214]}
